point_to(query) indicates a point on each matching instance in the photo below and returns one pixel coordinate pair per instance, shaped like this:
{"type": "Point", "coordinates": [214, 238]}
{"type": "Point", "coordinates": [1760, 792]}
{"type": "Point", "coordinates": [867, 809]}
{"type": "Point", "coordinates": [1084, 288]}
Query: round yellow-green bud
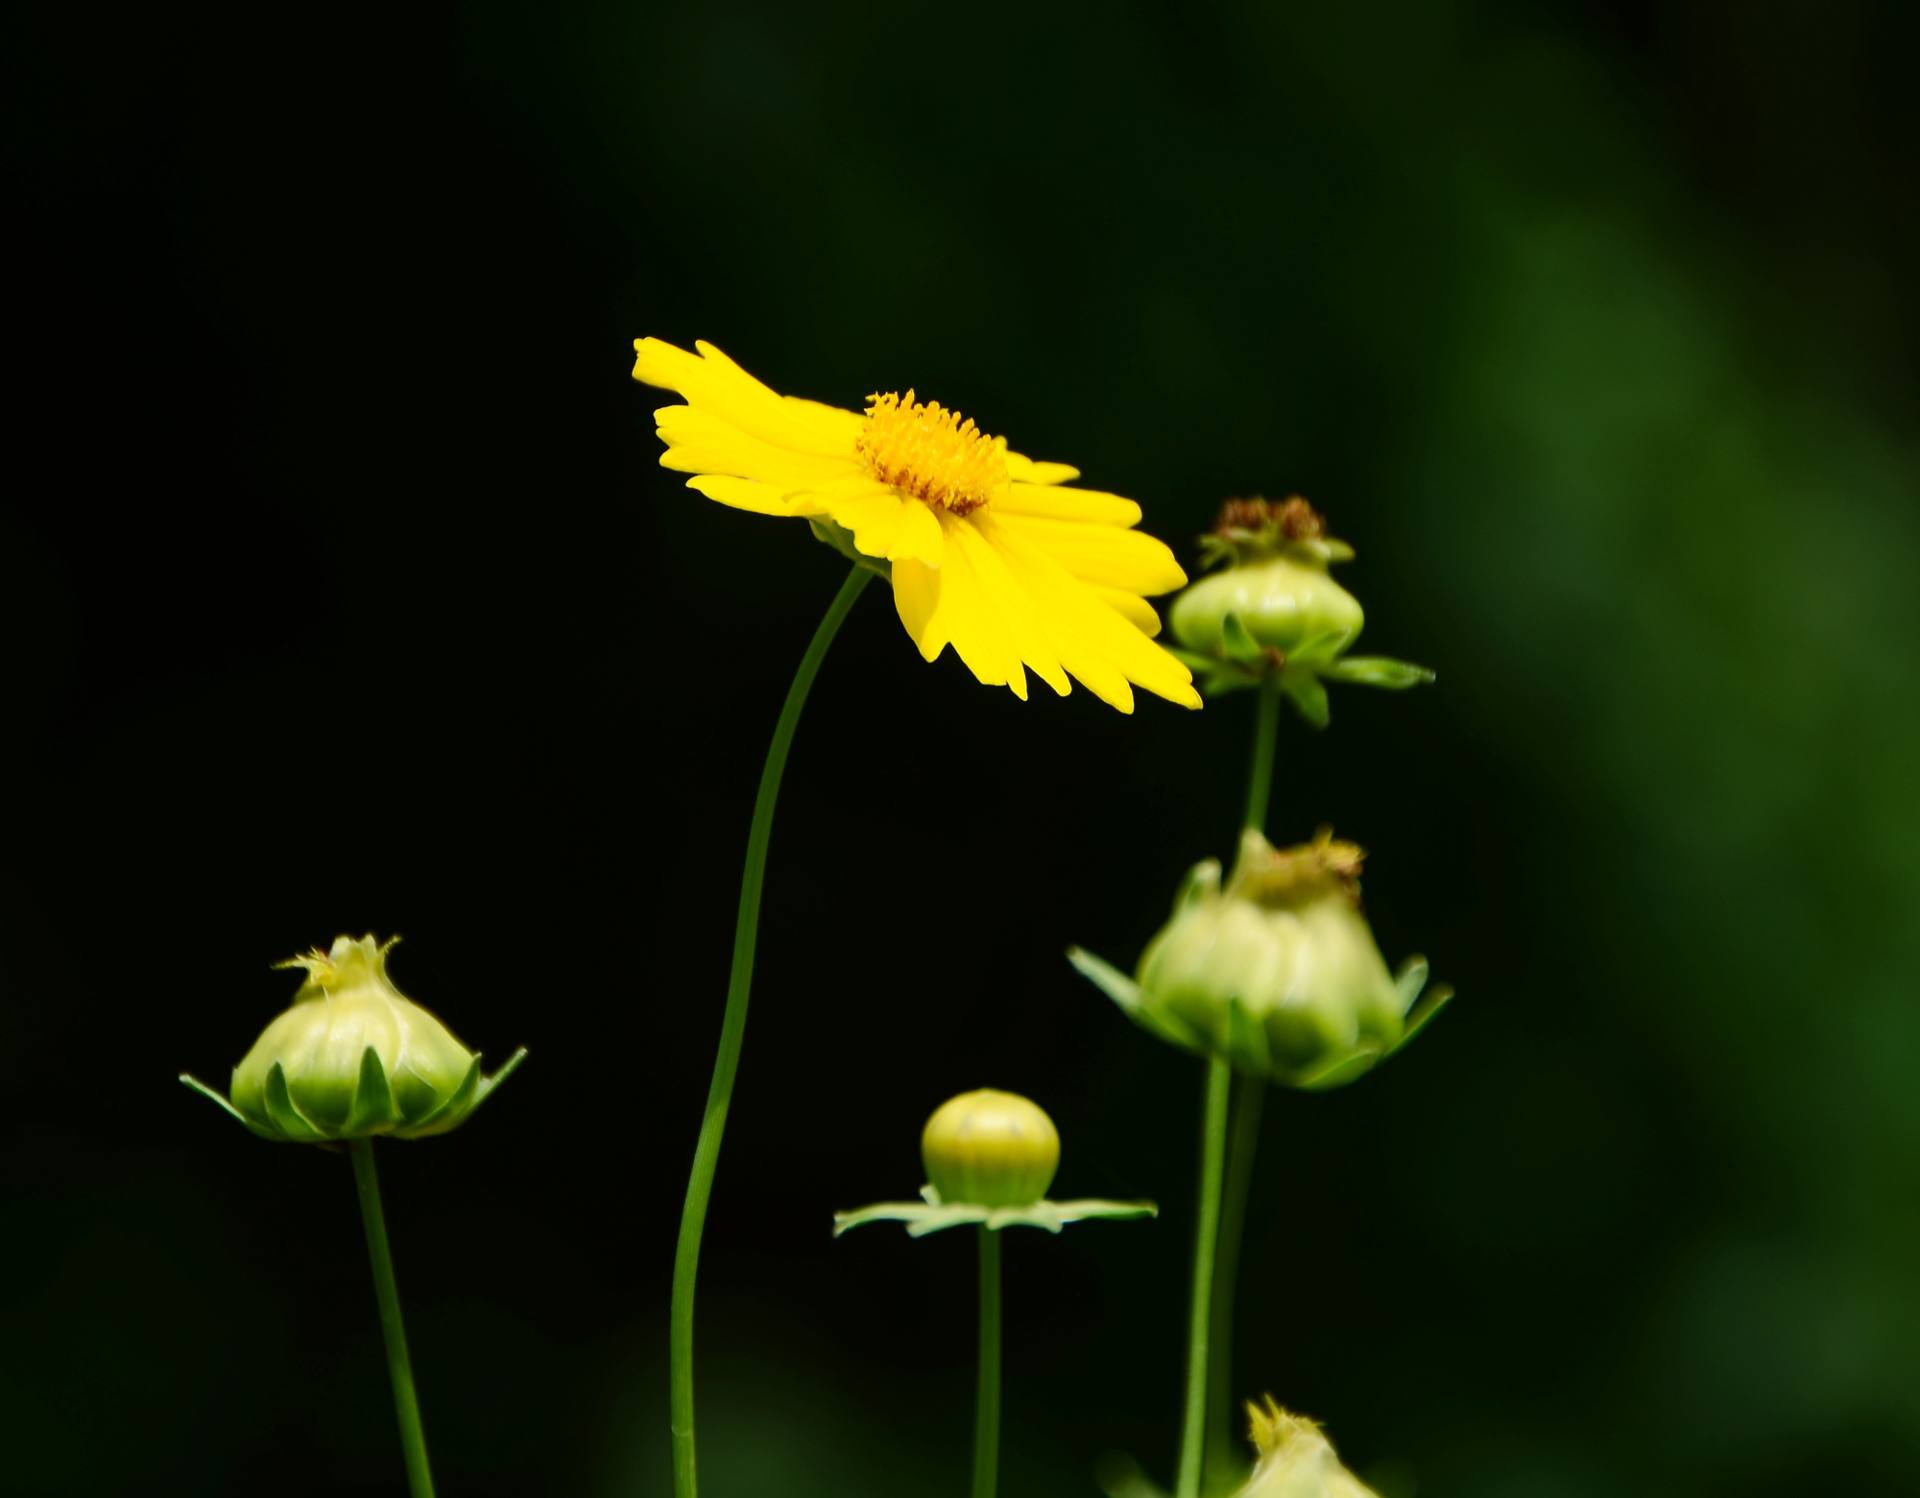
{"type": "Point", "coordinates": [990, 1149]}
{"type": "Point", "coordinates": [1273, 580]}
{"type": "Point", "coordinates": [354, 1057]}
{"type": "Point", "coordinates": [1277, 970]}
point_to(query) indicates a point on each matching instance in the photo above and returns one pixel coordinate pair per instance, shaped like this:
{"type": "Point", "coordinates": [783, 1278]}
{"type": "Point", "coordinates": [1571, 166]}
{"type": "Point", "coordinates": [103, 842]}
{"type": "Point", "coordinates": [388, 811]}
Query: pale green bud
{"type": "Point", "coordinates": [355, 1057]}
{"type": "Point", "coordinates": [1271, 614]}
{"type": "Point", "coordinates": [990, 1149]}
{"type": "Point", "coordinates": [1276, 970]}
{"type": "Point", "coordinates": [1296, 1460]}
{"type": "Point", "coordinates": [1274, 581]}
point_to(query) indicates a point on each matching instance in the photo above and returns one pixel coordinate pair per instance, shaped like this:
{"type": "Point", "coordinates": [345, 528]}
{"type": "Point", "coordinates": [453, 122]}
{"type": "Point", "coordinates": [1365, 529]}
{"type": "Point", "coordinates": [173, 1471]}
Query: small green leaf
{"type": "Point", "coordinates": [1377, 671]}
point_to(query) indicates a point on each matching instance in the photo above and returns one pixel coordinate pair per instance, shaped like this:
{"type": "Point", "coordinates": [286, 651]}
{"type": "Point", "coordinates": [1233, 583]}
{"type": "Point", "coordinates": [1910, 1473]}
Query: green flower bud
{"type": "Point", "coordinates": [355, 1057]}
{"type": "Point", "coordinates": [1277, 971]}
{"type": "Point", "coordinates": [1273, 580]}
{"type": "Point", "coordinates": [990, 1149]}
{"type": "Point", "coordinates": [1296, 1460]}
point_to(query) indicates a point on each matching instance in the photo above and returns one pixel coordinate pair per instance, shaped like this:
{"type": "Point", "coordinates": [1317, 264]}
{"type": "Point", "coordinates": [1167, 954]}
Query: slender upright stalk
{"type": "Point", "coordinates": [1213, 1150]}
{"type": "Point", "coordinates": [986, 1412]}
{"type": "Point", "coordinates": [413, 1440]}
{"type": "Point", "coordinates": [1248, 1106]}
{"type": "Point", "coordinates": [1243, 1140]}
{"type": "Point", "coordinates": [1266, 731]}
{"type": "Point", "coordinates": [733, 1027]}
{"type": "Point", "coordinates": [1216, 1247]}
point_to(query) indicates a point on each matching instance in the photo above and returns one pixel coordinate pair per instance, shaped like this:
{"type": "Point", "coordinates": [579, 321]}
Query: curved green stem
{"type": "Point", "coordinates": [413, 1439]}
{"type": "Point", "coordinates": [733, 1027]}
{"type": "Point", "coordinates": [1206, 1237]}
{"type": "Point", "coordinates": [986, 1412]}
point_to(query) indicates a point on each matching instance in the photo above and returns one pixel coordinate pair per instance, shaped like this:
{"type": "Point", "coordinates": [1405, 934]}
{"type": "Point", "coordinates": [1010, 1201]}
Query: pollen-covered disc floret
{"type": "Point", "coordinates": [354, 1057]}
{"type": "Point", "coordinates": [936, 455]}
{"type": "Point", "coordinates": [990, 552]}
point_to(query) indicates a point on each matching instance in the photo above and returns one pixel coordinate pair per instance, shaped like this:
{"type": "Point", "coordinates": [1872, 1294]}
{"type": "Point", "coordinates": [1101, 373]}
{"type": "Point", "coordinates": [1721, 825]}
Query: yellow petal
{"type": "Point", "coordinates": [700, 441]}
{"type": "Point", "coordinates": [1019, 619]}
{"type": "Point", "coordinates": [1089, 506]}
{"type": "Point", "coordinates": [1136, 611]}
{"type": "Point", "coordinates": [751, 494]}
{"type": "Point", "coordinates": [966, 613]}
{"type": "Point", "coordinates": [916, 595]}
{"type": "Point", "coordinates": [713, 382]}
{"type": "Point", "coordinates": [884, 524]}
{"type": "Point", "coordinates": [1024, 470]}
{"type": "Point", "coordinates": [1093, 641]}
{"type": "Point", "coordinates": [1129, 560]}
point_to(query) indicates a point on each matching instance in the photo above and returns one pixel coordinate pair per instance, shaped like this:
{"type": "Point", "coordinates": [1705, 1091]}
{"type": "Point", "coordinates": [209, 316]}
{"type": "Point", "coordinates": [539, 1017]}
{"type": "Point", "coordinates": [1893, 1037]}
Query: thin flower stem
{"type": "Point", "coordinates": [1213, 1150]}
{"type": "Point", "coordinates": [733, 1027]}
{"type": "Point", "coordinates": [986, 1414]}
{"type": "Point", "coordinates": [413, 1440]}
{"type": "Point", "coordinates": [1208, 1431]}
{"type": "Point", "coordinates": [1266, 731]}
{"type": "Point", "coordinates": [1243, 1141]}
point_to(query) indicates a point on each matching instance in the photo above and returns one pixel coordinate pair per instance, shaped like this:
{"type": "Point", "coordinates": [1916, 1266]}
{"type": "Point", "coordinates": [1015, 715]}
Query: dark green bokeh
{"type": "Point", "coordinates": [345, 594]}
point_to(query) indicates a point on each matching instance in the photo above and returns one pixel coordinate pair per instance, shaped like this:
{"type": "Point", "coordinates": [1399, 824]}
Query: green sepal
{"type": "Point", "coordinates": [841, 540]}
{"type": "Point", "coordinates": [474, 1089]}
{"type": "Point", "coordinates": [1239, 644]}
{"type": "Point", "coordinates": [931, 1215]}
{"type": "Point", "coordinates": [1421, 1010]}
{"type": "Point", "coordinates": [373, 1110]}
{"type": "Point", "coordinates": [207, 1092]}
{"type": "Point", "coordinates": [1246, 1041]}
{"type": "Point", "coordinates": [1346, 1069]}
{"type": "Point", "coordinates": [288, 1121]}
{"type": "Point", "coordinates": [451, 1110]}
{"type": "Point", "coordinates": [1305, 691]}
{"type": "Point", "coordinates": [487, 1084]}
{"type": "Point", "coordinates": [1377, 671]}
{"type": "Point", "coordinates": [1124, 992]}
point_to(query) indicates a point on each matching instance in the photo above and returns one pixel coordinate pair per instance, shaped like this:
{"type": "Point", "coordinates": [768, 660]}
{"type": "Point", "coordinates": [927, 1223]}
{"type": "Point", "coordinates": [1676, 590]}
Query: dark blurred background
{"type": "Point", "coordinates": [344, 594]}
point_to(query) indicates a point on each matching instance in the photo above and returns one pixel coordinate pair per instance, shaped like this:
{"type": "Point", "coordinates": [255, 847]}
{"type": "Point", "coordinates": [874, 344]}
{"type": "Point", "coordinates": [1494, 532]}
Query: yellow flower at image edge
{"type": "Point", "coordinates": [988, 551]}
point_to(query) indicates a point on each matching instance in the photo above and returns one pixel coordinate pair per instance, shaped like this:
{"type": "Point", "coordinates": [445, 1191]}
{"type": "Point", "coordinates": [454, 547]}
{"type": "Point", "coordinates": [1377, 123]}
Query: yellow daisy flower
{"type": "Point", "coordinates": [989, 551]}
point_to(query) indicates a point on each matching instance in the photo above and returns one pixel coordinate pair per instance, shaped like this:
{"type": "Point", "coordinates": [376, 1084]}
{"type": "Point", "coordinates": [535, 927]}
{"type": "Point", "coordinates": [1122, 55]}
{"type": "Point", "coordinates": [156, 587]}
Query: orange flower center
{"type": "Point", "coordinates": [932, 453]}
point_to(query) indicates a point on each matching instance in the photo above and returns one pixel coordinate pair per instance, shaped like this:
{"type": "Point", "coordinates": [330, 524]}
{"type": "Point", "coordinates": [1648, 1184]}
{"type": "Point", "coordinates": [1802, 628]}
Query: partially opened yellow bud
{"type": "Point", "coordinates": [1296, 1459]}
{"type": "Point", "coordinates": [354, 1057]}
{"type": "Point", "coordinates": [990, 1149]}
